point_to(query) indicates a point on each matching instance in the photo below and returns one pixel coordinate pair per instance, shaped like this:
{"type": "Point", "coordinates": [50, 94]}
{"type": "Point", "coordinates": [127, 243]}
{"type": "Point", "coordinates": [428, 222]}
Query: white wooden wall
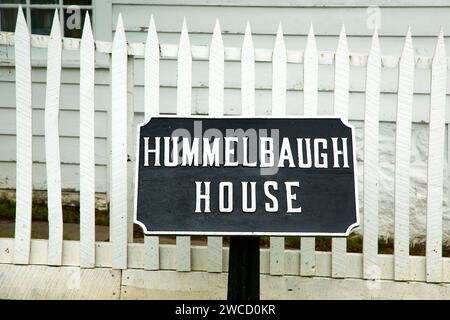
{"type": "Point", "coordinates": [121, 253]}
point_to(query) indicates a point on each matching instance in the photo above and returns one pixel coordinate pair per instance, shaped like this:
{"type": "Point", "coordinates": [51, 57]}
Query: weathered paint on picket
{"type": "Point", "coordinates": [402, 160]}
{"type": "Point", "coordinates": [248, 74]}
{"type": "Point", "coordinates": [55, 218]}
{"type": "Point", "coordinates": [310, 93]}
{"type": "Point", "coordinates": [436, 149]}
{"type": "Point", "coordinates": [184, 100]}
{"type": "Point", "coordinates": [151, 92]}
{"type": "Point", "coordinates": [87, 148]}
{"type": "Point", "coordinates": [341, 94]}
{"type": "Point", "coordinates": [119, 185]}
{"type": "Point", "coordinates": [216, 110]}
{"type": "Point", "coordinates": [24, 142]}
{"type": "Point", "coordinates": [279, 79]}
{"type": "Point", "coordinates": [371, 166]}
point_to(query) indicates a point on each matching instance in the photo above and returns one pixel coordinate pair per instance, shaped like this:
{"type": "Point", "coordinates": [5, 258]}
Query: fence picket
{"type": "Point", "coordinates": [24, 142]}
{"type": "Point", "coordinates": [184, 96]}
{"type": "Point", "coordinates": [87, 147]}
{"type": "Point", "coordinates": [278, 110]}
{"type": "Point", "coordinates": [151, 243]}
{"type": "Point", "coordinates": [119, 150]}
{"type": "Point", "coordinates": [436, 163]}
{"type": "Point", "coordinates": [341, 94]}
{"type": "Point", "coordinates": [310, 82]}
{"type": "Point", "coordinates": [216, 109]}
{"type": "Point", "coordinates": [53, 163]}
{"type": "Point", "coordinates": [371, 167]}
{"type": "Point", "coordinates": [248, 74]}
{"type": "Point", "coordinates": [402, 161]}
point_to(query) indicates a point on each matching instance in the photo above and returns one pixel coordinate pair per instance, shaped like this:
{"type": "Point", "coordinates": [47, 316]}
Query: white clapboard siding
{"type": "Point", "coordinates": [184, 105]}
{"type": "Point", "coordinates": [55, 218]}
{"type": "Point", "coordinates": [436, 163]}
{"type": "Point", "coordinates": [279, 78]}
{"type": "Point", "coordinates": [248, 74]}
{"type": "Point", "coordinates": [402, 160]}
{"type": "Point", "coordinates": [118, 202]}
{"type": "Point", "coordinates": [310, 80]}
{"type": "Point", "coordinates": [23, 143]}
{"type": "Point", "coordinates": [151, 254]}
{"type": "Point", "coordinates": [87, 148]}
{"type": "Point", "coordinates": [371, 166]}
{"type": "Point", "coordinates": [341, 94]}
{"type": "Point", "coordinates": [216, 110]}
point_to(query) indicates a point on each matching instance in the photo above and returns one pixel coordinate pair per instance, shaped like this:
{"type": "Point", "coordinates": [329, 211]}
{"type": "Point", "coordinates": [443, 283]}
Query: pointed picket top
{"type": "Point", "coordinates": [87, 29]}
{"type": "Point", "coordinates": [119, 37]}
{"type": "Point", "coordinates": [279, 75]}
{"type": "Point", "coordinates": [216, 73]}
{"type": "Point", "coordinates": [21, 23]}
{"type": "Point", "coordinates": [341, 79]}
{"type": "Point", "coordinates": [310, 77]}
{"type": "Point", "coordinates": [55, 32]}
{"type": "Point", "coordinates": [248, 73]}
{"type": "Point", "coordinates": [311, 45]}
{"type": "Point", "coordinates": [184, 40]}
{"type": "Point", "coordinates": [439, 54]}
{"type": "Point", "coordinates": [151, 72]}
{"type": "Point", "coordinates": [184, 79]}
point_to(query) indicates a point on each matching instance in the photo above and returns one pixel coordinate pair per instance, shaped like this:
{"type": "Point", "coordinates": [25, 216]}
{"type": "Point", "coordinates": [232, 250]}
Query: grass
{"type": "Point", "coordinates": [71, 214]}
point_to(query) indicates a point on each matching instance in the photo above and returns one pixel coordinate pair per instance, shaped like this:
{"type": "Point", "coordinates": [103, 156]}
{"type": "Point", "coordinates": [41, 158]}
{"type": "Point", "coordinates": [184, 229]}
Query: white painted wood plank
{"type": "Point", "coordinates": [402, 160]}
{"type": "Point", "coordinates": [170, 51]}
{"type": "Point", "coordinates": [184, 105]}
{"type": "Point", "coordinates": [131, 152]}
{"type": "Point", "coordinates": [53, 163]}
{"type": "Point", "coordinates": [436, 163]}
{"type": "Point", "coordinates": [216, 110]}
{"type": "Point", "coordinates": [310, 80]}
{"type": "Point", "coordinates": [87, 147]}
{"type": "Point", "coordinates": [151, 72]}
{"type": "Point", "coordinates": [216, 74]}
{"type": "Point", "coordinates": [310, 76]}
{"type": "Point", "coordinates": [371, 167]}
{"type": "Point", "coordinates": [248, 74]}
{"type": "Point", "coordinates": [184, 79]}
{"type": "Point", "coordinates": [279, 78]}
{"type": "Point", "coordinates": [118, 202]}
{"type": "Point", "coordinates": [341, 94]}
{"type": "Point", "coordinates": [23, 142]}
{"type": "Point", "coordinates": [151, 254]}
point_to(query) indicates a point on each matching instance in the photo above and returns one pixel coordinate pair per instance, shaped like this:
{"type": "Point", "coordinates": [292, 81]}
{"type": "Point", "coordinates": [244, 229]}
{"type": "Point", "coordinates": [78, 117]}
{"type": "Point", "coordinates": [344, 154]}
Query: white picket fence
{"type": "Point", "coordinates": [120, 252]}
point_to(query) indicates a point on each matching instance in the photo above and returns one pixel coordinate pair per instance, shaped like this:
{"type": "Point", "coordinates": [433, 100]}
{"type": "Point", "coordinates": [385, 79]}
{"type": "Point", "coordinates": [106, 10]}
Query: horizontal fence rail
{"type": "Point", "coordinates": [120, 252]}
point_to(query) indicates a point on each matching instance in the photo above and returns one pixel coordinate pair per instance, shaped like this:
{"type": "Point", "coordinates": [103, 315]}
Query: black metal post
{"type": "Point", "coordinates": [243, 270]}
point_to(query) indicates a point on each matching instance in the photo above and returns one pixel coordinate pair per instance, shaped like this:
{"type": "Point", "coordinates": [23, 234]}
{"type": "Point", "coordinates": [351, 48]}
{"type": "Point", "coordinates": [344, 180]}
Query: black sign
{"type": "Point", "coordinates": [246, 176]}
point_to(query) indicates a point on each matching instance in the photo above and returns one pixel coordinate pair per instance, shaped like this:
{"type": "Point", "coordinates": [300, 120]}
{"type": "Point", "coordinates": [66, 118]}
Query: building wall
{"type": "Point", "coordinates": [360, 19]}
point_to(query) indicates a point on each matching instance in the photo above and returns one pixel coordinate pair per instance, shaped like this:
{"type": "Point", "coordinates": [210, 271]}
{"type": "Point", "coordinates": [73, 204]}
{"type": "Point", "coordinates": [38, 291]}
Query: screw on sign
{"type": "Point", "coordinates": [203, 176]}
